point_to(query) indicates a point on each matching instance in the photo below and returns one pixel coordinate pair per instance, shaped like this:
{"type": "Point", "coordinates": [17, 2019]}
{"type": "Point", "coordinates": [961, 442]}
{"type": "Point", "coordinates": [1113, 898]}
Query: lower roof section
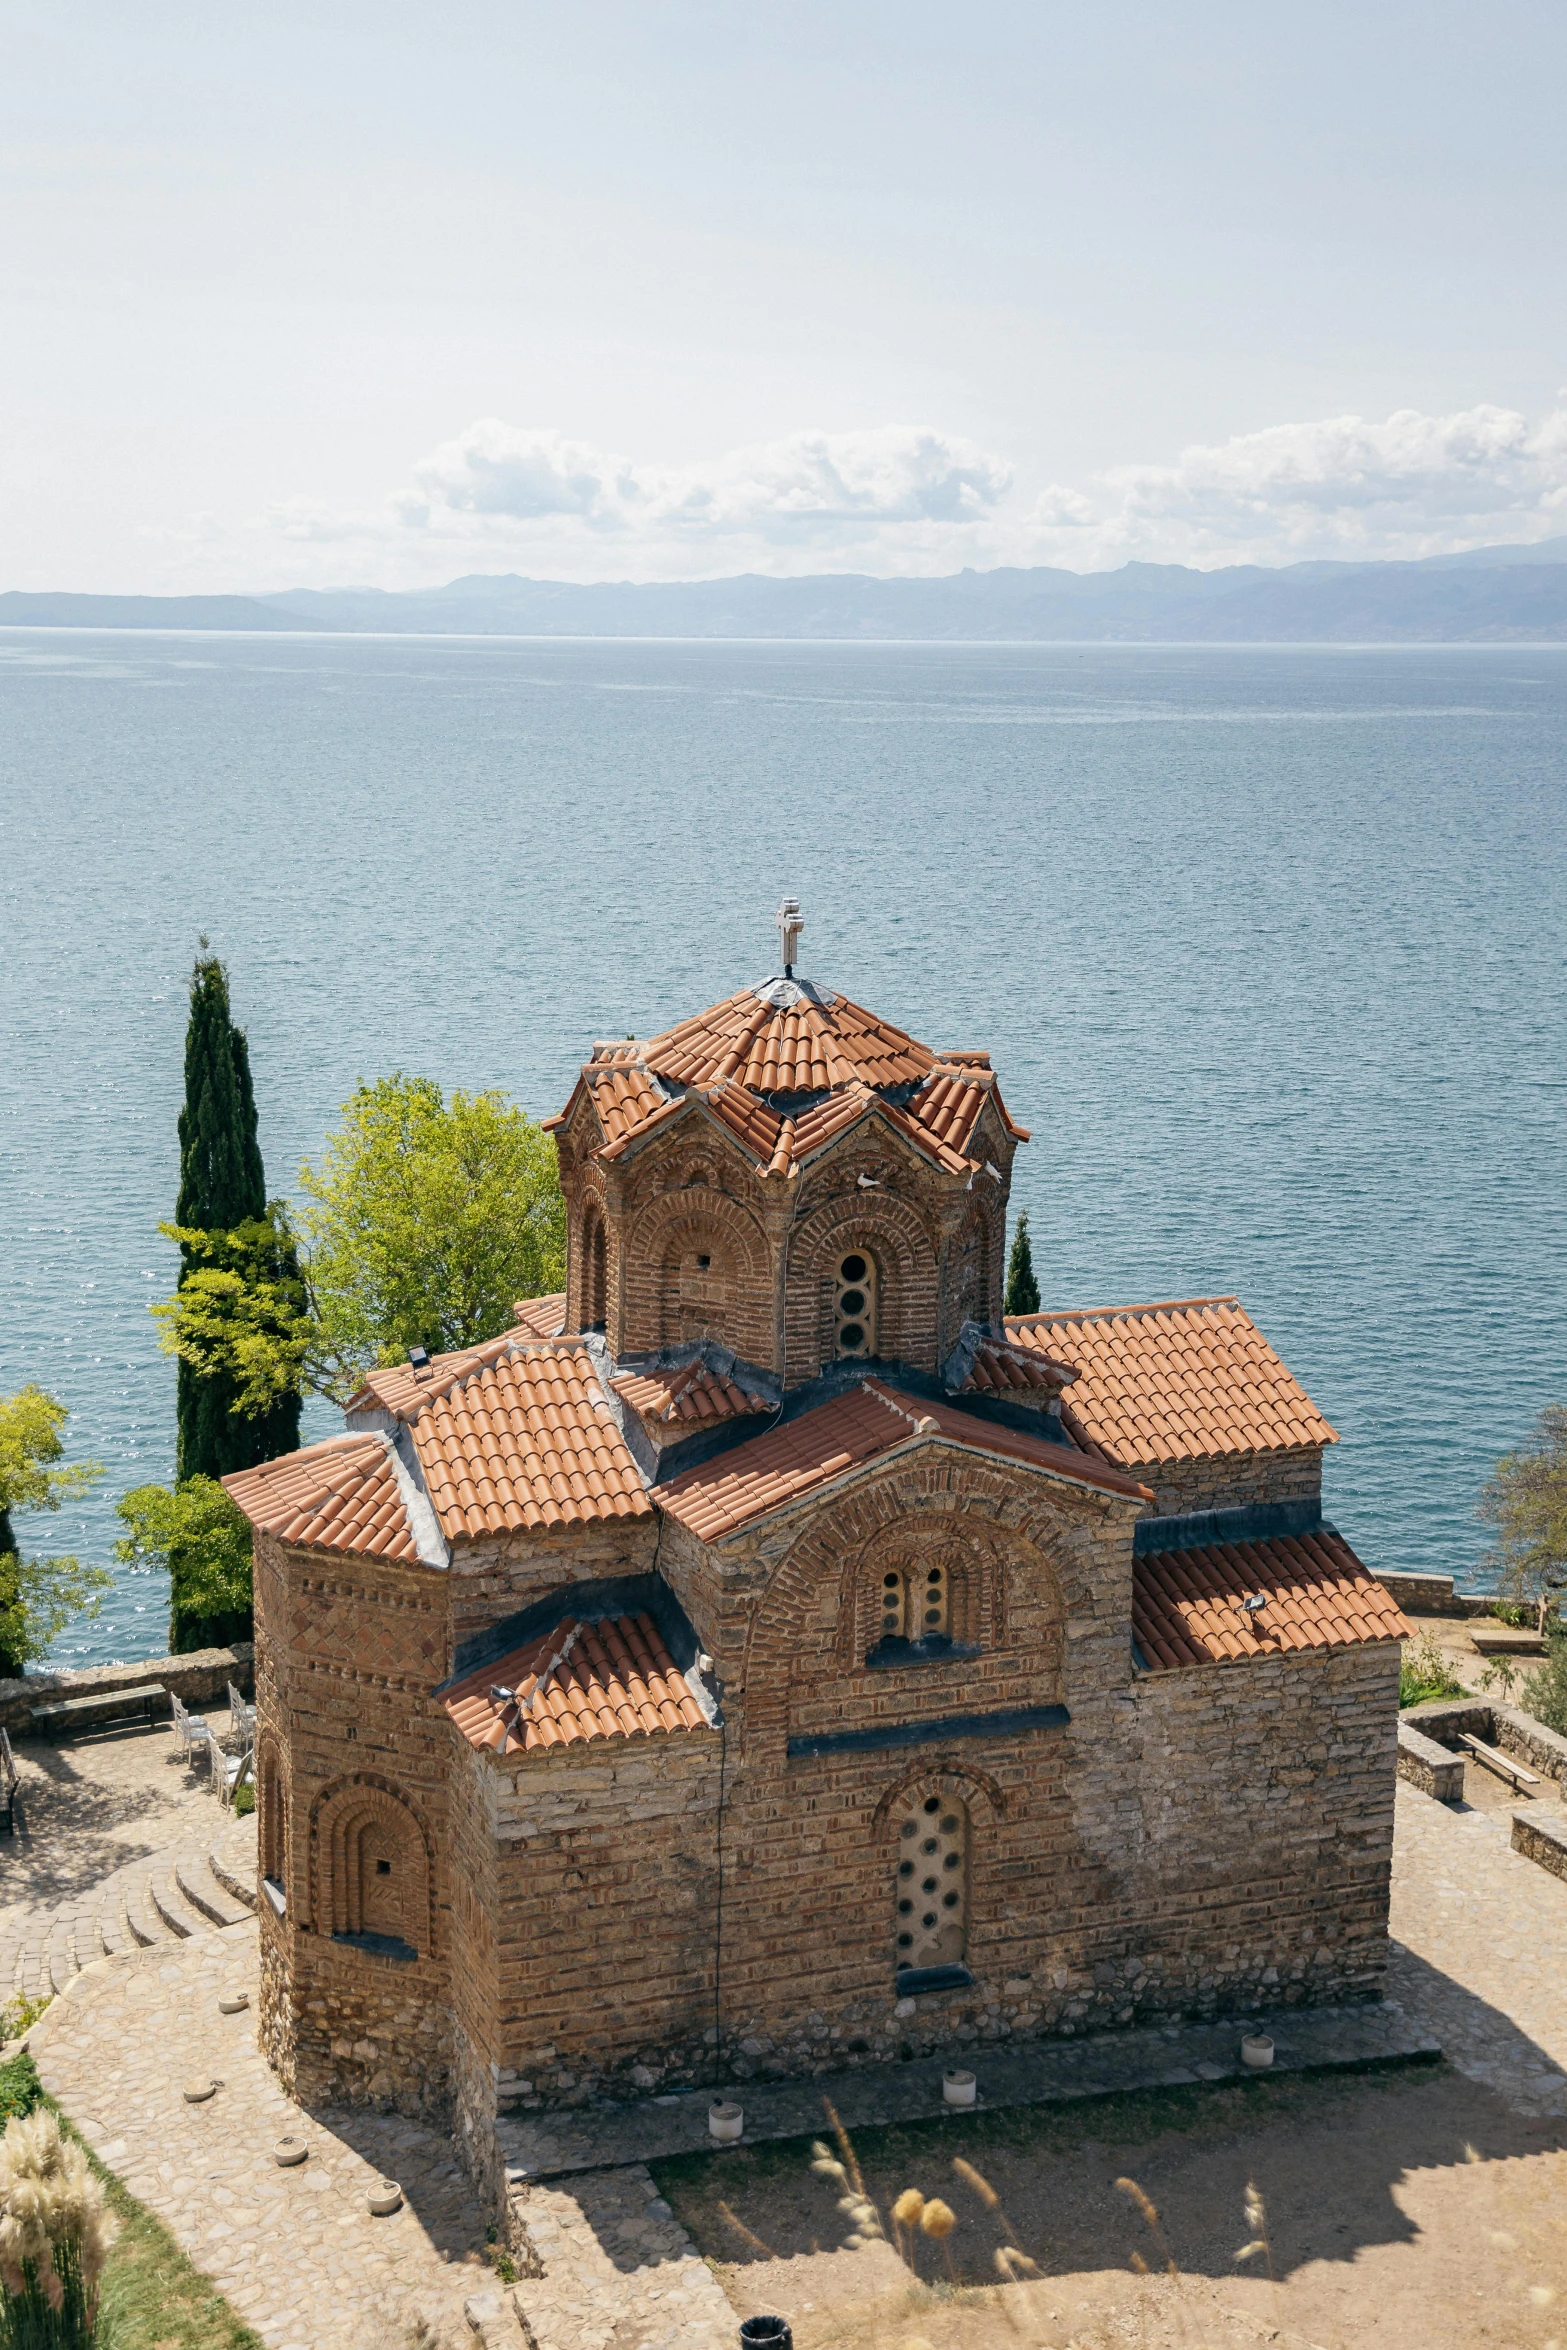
{"type": "Point", "coordinates": [611, 1678]}
{"type": "Point", "coordinates": [1188, 1606]}
{"type": "Point", "coordinates": [841, 1434]}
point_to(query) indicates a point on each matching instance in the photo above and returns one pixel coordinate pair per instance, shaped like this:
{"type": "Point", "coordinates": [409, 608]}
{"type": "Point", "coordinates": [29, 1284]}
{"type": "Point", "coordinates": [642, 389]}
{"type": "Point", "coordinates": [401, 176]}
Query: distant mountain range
{"type": "Point", "coordinates": [1492, 595]}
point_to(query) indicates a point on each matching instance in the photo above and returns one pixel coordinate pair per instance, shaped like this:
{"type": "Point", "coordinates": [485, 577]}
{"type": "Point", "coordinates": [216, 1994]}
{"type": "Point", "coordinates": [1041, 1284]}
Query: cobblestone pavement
{"type": "Point", "coordinates": [296, 2251]}
{"type": "Point", "coordinates": [105, 1830]}
{"type": "Point", "coordinates": [1483, 1956]}
{"type": "Point", "coordinates": [618, 2268]}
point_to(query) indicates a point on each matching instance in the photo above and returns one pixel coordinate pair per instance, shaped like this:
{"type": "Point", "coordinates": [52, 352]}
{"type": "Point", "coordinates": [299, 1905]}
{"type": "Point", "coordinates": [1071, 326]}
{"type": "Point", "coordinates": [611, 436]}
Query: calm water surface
{"type": "Point", "coordinates": [1267, 946]}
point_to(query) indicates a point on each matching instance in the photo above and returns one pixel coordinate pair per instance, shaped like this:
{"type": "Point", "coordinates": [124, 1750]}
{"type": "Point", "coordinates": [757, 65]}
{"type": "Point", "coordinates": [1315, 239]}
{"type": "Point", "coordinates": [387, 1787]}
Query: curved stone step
{"type": "Point", "coordinates": [198, 1884]}
{"type": "Point", "coordinates": [233, 1860]}
{"type": "Point", "coordinates": [141, 1913]}
{"type": "Point", "coordinates": [172, 1907]}
{"type": "Point", "coordinates": [60, 1956]}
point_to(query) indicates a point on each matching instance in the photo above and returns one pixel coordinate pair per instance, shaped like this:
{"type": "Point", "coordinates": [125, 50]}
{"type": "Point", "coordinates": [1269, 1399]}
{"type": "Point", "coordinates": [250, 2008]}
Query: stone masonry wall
{"type": "Point", "coordinates": [1267, 1810]}
{"type": "Point", "coordinates": [1182, 1488]}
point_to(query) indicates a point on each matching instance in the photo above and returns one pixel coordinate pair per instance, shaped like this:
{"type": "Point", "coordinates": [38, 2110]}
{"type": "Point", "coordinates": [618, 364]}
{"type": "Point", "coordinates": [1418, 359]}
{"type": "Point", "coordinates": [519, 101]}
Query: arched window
{"type": "Point", "coordinates": [854, 1305]}
{"type": "Point", "coordinates": [930, 1884]}
{"type": "Point", "coordinates": [593, 1308]}
{"type": "Point", "coordinates": [272, 1821]}
{"type": "Point", "coordinates": [915, 1603]}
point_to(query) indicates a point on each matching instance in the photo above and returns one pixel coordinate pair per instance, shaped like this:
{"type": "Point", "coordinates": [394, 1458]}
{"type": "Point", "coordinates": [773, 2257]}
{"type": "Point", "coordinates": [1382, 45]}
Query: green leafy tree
{"type": "Point", "coordinates": [425, 1220]}
{"type": "Point", "coordinates": [226, 1231]}
{"type": "Point", "coordinates": [203, 1540]}
{"type": "Point", "coordinates": [38, 1597]}
{"type": "Point", "coordinates": [1022, 1288]}
{"type": "Point", "coordinates": [1526, 1501]}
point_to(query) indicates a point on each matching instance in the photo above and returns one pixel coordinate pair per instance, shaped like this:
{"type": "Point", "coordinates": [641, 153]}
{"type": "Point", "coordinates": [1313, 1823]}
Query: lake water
{"type": "Point", "coordinates": [1267, 946]}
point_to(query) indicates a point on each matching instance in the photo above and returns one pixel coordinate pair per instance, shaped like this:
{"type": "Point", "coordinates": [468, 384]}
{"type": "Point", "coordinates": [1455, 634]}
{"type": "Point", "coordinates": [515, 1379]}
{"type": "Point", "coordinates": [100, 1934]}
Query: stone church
{"type": "Point", "coordinates": [766, 1658]}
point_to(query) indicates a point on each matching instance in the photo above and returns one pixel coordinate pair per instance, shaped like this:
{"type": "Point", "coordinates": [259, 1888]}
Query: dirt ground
{"type": "Point", "coordinates": [1408, 2209]}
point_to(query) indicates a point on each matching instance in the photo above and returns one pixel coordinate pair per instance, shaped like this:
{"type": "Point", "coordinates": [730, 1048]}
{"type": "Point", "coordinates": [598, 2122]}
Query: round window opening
{"type": "Point", "coordinates": [854, 1305]}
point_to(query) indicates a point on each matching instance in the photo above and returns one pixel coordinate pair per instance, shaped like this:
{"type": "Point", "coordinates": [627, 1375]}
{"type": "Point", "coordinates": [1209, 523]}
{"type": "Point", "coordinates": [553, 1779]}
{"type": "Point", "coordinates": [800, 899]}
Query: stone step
{"type": "Point", "coordinates": [61, 1966]}
{"type": "Point", "coordinates": [233, 1861]}
{"type": "Point", "coordinates": [172, 1907]}
{"type": "Point", "coordinates": [141, 1915]}
{"type": "Point", "coordinates": [198, 1883]}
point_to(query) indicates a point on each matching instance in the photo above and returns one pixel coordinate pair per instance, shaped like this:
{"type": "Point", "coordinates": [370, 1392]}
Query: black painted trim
{"type": "Point", "coordinates": [888, 1735]}
{"type": "Point", "coordinates": [1254, 1521]}
{"type": "Point", "coordinates": [381, 1946]}
{"type": "Point", "coordinates": [912, 1980]}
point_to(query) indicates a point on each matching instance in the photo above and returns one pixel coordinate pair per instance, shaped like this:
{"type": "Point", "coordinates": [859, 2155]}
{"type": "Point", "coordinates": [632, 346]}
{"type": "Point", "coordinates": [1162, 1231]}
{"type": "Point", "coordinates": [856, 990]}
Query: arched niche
{"type": "Point", "coordinates": [373, 1869]}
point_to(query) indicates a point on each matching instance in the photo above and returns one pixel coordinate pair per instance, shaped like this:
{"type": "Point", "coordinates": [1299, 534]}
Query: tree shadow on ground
{"type": "Point", "coordinates": [71, 1821]}
{"type": "Point", "coordinates": [1326, 2151]}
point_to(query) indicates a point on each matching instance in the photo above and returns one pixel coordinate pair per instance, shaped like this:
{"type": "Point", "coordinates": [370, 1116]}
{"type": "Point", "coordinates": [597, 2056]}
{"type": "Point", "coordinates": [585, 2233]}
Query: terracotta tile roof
{"type": "Point", "coordinates": [1186, 1603]}
{"type": "Point", "coordinates": [824, 1121]}
{"type": "Point", "coordinates": [542, 1317]}
{"type": "Point", "coordinates": [804, 1047]}
{"type": "Point", "coordinates": [340, 1495]}
{"type": "Point", "coordinates": [695, 1394]}
{"type": "Point", "coordinates": [528, 1440]}
{"type": "Point", "coordinates": [1010, 1370]}
{"type": "Point", "coordinates": [783, 1463]}
{"type": "Point", "coordinates": [952, 1097]}
{"type": "Point", "coordinates": [624, 1095]}
{"type": "Point", "coordinates": [1192, 1380]}
{"type": "Point", "coordinates": [614, 1679]}
{"type": "Point", "coordinates": [400, 1389]}
{"type": "Point", "coordinates": [736, 1053]}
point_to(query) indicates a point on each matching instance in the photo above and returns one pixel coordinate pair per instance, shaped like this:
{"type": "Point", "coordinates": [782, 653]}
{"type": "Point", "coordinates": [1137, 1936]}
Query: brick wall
{"type": "Point", "coordinates": [772, 1246]}
{"type": "Point", "coordinates": [352, 1763]}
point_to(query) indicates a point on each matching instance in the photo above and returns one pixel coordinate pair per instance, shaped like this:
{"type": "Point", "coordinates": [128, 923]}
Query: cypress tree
{"type": "Point", "coordinates": [222, 1185]}
{"type": "Point", "coordinates": [1022, 1289]}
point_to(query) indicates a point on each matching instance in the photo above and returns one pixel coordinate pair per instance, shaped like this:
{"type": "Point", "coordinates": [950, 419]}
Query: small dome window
{"type": "Point", "coordinates": [854, 1312]}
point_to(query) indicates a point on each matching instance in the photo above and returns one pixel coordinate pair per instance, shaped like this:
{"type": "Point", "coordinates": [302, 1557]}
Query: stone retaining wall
{"type": "Point", "coordinates": [1543, 1838]}
{"type": "Point", "coordinates": [1433, 1595]}
{"type": "Point", "coordinates": [1503, 1726]}
{"type": "Point", "coordinates": [199, 1679]}
{"type": "Point", "coordinates": [1428, 1766]}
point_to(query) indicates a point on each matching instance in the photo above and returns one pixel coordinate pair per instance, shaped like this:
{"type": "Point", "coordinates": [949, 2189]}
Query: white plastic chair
{"type": "Point", "coordinates": [190, 1730]}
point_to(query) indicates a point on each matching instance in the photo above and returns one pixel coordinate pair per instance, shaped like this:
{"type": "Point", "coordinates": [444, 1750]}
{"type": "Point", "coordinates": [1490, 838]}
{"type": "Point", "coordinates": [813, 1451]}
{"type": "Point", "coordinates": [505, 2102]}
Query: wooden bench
{"type": "Point", "coordinates": [1502, 1764]}
{"type": "Point", "coordinates": [94, 1713]}
{"type": "Point", "coordinates": [7, 1783]}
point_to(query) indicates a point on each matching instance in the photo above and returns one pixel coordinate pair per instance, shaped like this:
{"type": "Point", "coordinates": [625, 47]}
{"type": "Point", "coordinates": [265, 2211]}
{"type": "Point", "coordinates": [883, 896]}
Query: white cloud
{"type": "Point", "coordinates": [911, 499]}
{"type": "Point", "coordinates": [813, 484]}
{"type": "Point", "coordinates": [1341, 487]}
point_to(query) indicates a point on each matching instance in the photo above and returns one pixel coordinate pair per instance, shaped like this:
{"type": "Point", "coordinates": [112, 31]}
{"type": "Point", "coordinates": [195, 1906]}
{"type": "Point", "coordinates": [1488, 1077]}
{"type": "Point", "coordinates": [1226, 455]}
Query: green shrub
{"type": "Point", "coordinates": [1544, 1694]}
{"type": "Point", "coordinates": [1424, 1675]}
{"type": "Point", "coordinates": [1508, 1611]}
{"type": "Point", "coordinates": [245, 1800]}
{"type": "Point", "coordinates": [20, 2088]}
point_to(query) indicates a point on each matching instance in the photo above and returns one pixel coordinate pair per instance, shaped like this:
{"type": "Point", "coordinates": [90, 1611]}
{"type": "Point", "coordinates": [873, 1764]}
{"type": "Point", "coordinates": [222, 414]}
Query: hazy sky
{"type": "Point", "coordinates": [329, 293]}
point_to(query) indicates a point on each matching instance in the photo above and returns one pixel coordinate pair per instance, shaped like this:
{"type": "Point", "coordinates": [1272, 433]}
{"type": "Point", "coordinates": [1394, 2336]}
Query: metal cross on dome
{"type": "Point", "coordinates": [790, 923]}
